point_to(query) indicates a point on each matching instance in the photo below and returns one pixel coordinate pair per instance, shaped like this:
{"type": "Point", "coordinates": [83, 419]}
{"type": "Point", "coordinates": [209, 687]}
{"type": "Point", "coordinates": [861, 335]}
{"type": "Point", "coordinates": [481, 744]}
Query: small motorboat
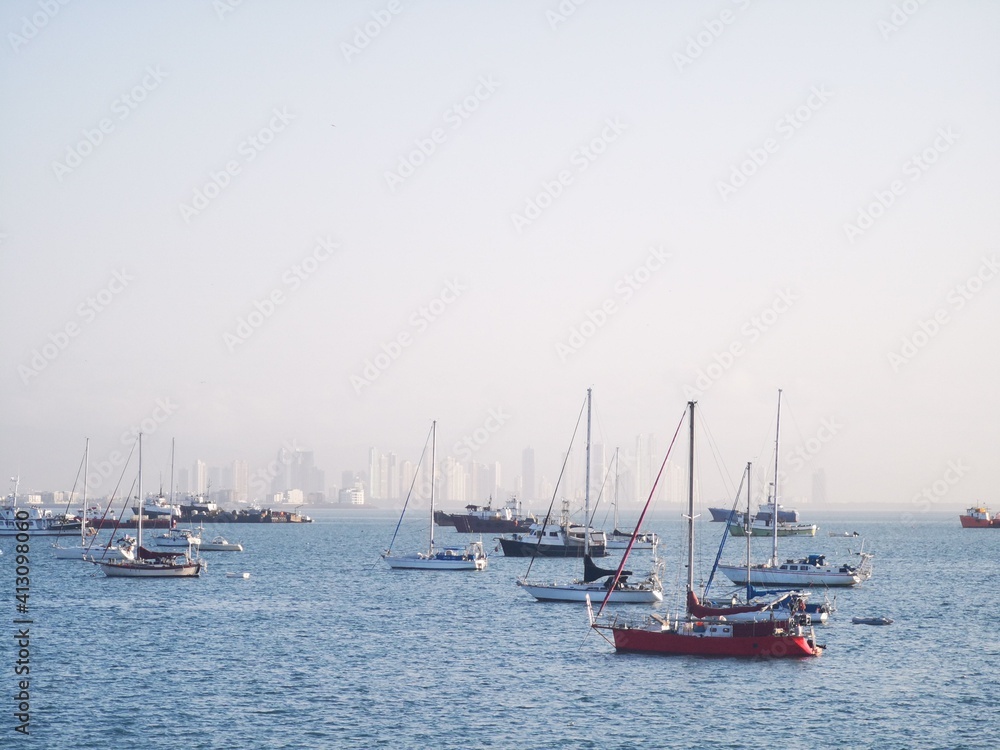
{"type": "Point", "coordinates": [221, 544]}
{"type": "Point", "coordinates": [237, 575]}
{"type": "Point", "coordinates": [871, 620]}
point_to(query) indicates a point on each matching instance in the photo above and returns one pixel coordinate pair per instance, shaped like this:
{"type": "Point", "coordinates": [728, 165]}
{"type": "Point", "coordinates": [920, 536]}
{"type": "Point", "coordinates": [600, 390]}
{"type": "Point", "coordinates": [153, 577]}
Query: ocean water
{"type": "Point", "coordinates": [325, 647]}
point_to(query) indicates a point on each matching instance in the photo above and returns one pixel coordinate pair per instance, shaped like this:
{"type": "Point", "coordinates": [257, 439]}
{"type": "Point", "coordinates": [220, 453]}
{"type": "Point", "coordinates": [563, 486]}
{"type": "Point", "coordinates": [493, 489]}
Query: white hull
{"type": "Point", "coordinates": [221, 547]}
{"type": "Point", "coordinates": [768, 576]}
{"type": "Point", "coordinates": [784, 529]}
{"type": "Point", "coordinates": [149, 570]}
{"type": "Point", "coordinates": [578, 592]}
{"type": "Point", "coordinates": [623, 544]}
{"type": "Point", "coordinates": [425, 562]}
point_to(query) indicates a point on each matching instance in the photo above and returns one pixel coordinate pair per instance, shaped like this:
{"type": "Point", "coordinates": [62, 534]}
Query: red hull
{"type": "Point", "coordinates": [668, 642]}
{"type": "Point", "coordinates": [968, 522]}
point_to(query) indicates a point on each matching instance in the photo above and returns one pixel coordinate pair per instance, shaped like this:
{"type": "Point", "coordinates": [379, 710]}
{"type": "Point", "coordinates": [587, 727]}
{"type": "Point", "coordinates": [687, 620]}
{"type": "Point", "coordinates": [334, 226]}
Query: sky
{"type": "Point", "coordinates": [244, 225]}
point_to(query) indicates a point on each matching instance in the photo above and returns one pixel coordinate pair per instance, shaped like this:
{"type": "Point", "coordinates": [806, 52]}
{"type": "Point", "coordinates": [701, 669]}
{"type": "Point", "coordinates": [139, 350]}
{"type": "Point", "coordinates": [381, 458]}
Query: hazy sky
{"type": "Point", "coordinates": [331, 222]}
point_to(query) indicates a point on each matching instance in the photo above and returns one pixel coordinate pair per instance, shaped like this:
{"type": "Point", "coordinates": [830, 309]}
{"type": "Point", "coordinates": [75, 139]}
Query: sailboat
{"type": "Point", "coordinates": [122, 550]}
{"type": "Point", "coordinates": [812, 570]}
{"type": "Point", "coordinates": [616, 588]}
{"type": "Point", "coordinates": [470, 557]}
{"type": "Point", "coordinates": [147, 563]}
{"type": "Point", "coordinates": [175, 538]}
{"type": "Point", "coordinates": [691, 635]}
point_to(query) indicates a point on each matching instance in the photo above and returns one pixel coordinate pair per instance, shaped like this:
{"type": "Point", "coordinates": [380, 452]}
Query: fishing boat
{"type": "Point", "coordinates": [813, 570]}
{"type": "Point", "coordinates": [979, 517]}
{"type": "Point", "coordinates": [15, 519]}
{"type": "Point", "coordinates": [149, 563]}
{"type": "Point", "coordinates": [489, 520]}
{"type": "Point", "coordinates": [561, 538]}
{"type": "Point", "coordinates": [596, 580]}
{"type": "Point", "coordinates": [470, 557]}
{"type": "Point", "coordinates": [872, 620]}
{"type": "Point", "coordinates": [688, 634]}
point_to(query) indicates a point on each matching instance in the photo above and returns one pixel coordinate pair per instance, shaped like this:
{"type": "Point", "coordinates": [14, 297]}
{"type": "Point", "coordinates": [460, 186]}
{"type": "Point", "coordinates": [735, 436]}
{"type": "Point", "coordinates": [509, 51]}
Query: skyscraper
{"type": "Point", "coordinates": [528, 488]}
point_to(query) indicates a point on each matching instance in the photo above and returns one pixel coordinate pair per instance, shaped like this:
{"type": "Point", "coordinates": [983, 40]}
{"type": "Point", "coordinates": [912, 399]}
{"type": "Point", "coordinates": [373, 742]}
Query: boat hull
{"type": "Point", "coordinates": [581, 592]}
{"type": "Point", "coordinates": [783, 530]}
{"type": "Point", "coordinates": [970, 522]}
{"type": "Point", "coordinates": [422, 562]}
{"type": "Point", "coordinates": [794, 579]}
{"type": "Point", "coordinates": [147, 570]}
{"type": "Point", "coordinates": [667, 642]}
{"type": "Point", "coordinates": [530, 548]}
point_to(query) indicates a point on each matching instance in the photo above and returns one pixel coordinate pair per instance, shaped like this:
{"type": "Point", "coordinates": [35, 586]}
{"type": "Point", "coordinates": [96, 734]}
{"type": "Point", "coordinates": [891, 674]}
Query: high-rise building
{"type": "Point", "coordinates": [200, 474]}
{"type": "Point", "coordinates": [529, 490]}
{"type": "Point", "coordinates": [241, 481]}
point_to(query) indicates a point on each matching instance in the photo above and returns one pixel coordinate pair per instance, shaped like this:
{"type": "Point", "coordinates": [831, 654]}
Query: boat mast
{"type": "Point", "coordinates": [774, 499]}
{"type": "Point", "coordinates": [172, 440]}
{"type": "Point", "coordinates": [691, 499]}
{"type": "Point", "coordinates": [616, 489]}
{"type": "Point", "coordinates": [747, 522]}
{"type": "Point", "coordinates": [86, 470]}
{"type": "Point", "coordinates": [586, 492]}
{"type": "Point", "coordinates": [433, 468]}
{"type": "Point", "coordinates": [142, 507]}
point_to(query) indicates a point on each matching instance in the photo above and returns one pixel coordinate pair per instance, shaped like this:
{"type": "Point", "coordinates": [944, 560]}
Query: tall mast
{"type": "Point", "coordinates": [433, 470]}
{"type": "Point", "coordinates": [747, 522]}
{"type": "Point", "coordinates": [586, 493]}
{"type": "Point", "coordinates": [616, 489]}
{"type": "Point", "coordinates": [142, 507]}
{"type": "Point", "coordinates": [86, 471]}
{"type": "Point", "coordinates": [172, 440]}
{"type": "Point", "coordinates": [691, 499]}
{"type": "Point", "coordinates": [774, 500]}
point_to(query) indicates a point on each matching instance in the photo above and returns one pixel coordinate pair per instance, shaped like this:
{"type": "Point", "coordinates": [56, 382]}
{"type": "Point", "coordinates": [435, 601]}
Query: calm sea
{"type": "Point", "coordinates": [325, 647]}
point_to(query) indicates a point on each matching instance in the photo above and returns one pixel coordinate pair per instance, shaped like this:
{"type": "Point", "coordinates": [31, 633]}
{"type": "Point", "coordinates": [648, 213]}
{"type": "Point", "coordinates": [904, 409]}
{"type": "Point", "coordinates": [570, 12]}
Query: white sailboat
{"type": "Point", "coordinates": [596, 581]}
{"type": "Point", "coordinates": [123, 549]}
{"type": "Point", "coordinates": [174, 538]}
{"type": "Point", "coordinates": [812, 570]}
{"type": "Point", "coordinates": [470, 557]}
{"type": "Point", "coordinates": [147, 563]}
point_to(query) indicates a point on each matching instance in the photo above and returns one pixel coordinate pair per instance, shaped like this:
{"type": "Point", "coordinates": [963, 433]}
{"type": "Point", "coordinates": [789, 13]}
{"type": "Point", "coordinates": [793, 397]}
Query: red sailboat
{"type": "Point", "coordinates": [703, 631]}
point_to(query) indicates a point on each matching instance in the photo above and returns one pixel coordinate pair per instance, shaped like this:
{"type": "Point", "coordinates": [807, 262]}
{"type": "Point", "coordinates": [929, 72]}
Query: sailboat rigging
{"type": "Point", "coordinates": [471, 557]}
{"type": "Point", "coordinates": [147, 563]}
{"type": "Point", "coordinates": [691, 635]}
{"type": "Point", "coordinates": [616, 586]}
